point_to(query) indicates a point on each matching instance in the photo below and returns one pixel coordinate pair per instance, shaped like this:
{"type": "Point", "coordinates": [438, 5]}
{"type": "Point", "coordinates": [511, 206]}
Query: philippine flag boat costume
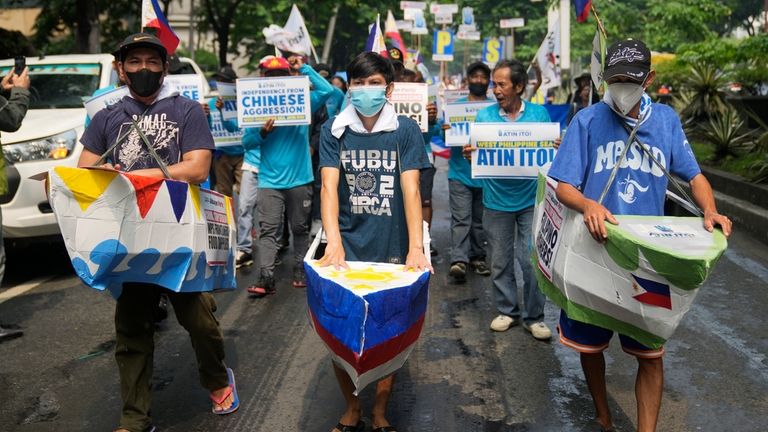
{"type": "Point", "coordinates": [369, 316]}
{"type": "Point", "coordinates": [640, 283]}
{"type": "Point", "coordinates": [120, 227]}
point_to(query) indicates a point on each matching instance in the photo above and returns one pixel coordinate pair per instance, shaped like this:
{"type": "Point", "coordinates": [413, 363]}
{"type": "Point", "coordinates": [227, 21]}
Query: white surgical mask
{"type": "Point", "coordinates": [625, 95]}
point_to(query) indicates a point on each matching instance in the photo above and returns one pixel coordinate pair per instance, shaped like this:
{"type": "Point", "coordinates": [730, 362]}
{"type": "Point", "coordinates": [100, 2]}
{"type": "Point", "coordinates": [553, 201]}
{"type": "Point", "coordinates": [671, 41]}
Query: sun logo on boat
{"type": "Point", "coordinates": [366, 278]}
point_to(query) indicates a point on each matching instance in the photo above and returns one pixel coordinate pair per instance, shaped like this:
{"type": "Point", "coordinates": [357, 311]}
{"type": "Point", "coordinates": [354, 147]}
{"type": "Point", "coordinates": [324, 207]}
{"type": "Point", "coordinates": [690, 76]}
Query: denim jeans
{"type": "Point", "coordinates": [467, 235]}
{"type": "Point", "coordinates": [246, 208]}
{"type": "Point", "coordinates": [500, 228]}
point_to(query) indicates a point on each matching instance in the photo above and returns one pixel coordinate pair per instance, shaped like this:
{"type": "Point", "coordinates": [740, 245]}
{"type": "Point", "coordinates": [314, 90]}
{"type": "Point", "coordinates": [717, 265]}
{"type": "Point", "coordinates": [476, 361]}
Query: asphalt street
{"type": "Point", "coordinates": [61, 375]}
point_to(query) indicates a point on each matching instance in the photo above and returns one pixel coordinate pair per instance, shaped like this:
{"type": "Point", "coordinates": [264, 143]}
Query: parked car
{"type": "Point", "coordinates": [49, 136]}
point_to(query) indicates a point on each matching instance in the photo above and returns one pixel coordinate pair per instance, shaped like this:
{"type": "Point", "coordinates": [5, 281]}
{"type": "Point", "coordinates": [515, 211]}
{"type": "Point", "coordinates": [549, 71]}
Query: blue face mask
{"type": "Point", "coordinates": [368, 100]}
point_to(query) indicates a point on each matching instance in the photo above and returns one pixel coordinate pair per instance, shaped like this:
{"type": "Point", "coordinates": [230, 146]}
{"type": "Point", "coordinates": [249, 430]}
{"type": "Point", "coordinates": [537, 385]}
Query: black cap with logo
{"type": "Point", "coordinates": [629, 58]}
{"type": "Point", "coordinates": [478, 65]}
{"type": "Point", "coordinates": [140, 40]}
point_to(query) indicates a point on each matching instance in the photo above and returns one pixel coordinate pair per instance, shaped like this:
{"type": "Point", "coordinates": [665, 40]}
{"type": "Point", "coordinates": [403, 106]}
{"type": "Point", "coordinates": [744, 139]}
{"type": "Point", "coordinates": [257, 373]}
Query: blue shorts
{"type": "Point", "coordinates": [591, 339]}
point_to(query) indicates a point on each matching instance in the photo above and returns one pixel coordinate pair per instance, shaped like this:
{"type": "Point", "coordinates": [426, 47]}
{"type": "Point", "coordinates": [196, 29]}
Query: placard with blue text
{"type": "Point", "coordinates": [512, 150]}
{"type": "Point", "coordinates": [285, 99]}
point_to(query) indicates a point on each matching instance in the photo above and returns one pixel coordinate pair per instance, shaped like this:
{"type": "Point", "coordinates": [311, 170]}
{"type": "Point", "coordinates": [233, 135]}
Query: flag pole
{"type": "Point", "coordinates": [599, 21]}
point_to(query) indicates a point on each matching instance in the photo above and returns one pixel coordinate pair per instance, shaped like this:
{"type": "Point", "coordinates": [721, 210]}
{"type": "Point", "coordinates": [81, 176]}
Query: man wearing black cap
{"type": "Point", "coordinates": [591, 148]}
{"type": "Point", "coordinates": [465, 194]}
{"type": "Point", "coordinates": [181, 144]}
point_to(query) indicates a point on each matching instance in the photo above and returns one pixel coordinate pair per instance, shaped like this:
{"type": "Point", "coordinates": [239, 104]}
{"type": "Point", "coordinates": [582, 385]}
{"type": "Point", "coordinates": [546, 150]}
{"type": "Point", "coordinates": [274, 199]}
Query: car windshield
{"type": "Point", "coordinates": [61, 85]}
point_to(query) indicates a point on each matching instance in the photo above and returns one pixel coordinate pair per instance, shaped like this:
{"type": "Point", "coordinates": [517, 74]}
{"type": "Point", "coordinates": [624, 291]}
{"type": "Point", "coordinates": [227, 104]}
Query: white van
{"type": "Point", "coordinates": [50, 135]}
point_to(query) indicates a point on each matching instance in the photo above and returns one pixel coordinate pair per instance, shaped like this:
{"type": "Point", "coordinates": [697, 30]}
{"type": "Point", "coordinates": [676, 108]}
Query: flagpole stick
{"type": "Point", "coordinates": [599, 21]}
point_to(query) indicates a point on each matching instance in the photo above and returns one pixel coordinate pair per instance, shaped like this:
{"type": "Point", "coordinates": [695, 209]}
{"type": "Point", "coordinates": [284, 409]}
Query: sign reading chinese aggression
{"type": "Point", "coordinates": [285, 99]}
{"type": "Point", "coordinates": [410, 100]}
{"type": "Point", "coordinates": [512, 150]}
{"type": "Point", "coordinates": [460, 116]}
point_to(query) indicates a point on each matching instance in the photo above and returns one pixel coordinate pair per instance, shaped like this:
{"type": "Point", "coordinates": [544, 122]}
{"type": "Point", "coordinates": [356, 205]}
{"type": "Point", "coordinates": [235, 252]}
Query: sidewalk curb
{"type": "Point", "coordinates": [744, 202]}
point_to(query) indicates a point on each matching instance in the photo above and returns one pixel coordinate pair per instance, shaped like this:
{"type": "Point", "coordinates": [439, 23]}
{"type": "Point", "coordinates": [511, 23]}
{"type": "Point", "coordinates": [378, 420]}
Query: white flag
{"type": "Point", "coordinates": [294, 37]}
{"type": "Point", "coordinates": [548, 57]}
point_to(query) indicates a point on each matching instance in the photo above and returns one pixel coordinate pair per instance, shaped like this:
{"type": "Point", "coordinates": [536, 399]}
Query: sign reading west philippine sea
{"type": "Point", "coordinates": [285, 99]}
{"type": "Point", "coordinates": [512, 150]}
{"type": "Point", "coordinates": [460, 116]}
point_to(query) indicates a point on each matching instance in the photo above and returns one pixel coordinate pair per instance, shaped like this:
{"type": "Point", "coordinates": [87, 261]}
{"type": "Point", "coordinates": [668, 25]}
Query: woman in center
{"type": "Point", "coordinates": [371, 208]}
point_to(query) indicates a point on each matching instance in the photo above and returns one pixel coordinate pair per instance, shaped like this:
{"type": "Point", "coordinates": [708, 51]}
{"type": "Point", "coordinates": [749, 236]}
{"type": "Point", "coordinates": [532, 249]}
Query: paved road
{"type": "Point", "coordinates": [61, 375]}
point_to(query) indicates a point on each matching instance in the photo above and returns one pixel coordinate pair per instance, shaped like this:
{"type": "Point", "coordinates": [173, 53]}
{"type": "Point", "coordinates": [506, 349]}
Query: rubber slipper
{"type": "Point", "coordinates": [232, 390]}
{"type": "Point", "coordinates": [359, 427]}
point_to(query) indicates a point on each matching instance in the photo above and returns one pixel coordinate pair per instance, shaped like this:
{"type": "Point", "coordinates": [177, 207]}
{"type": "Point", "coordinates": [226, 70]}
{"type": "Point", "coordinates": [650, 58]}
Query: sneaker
{"type": "Point", "coordinates": [503, 323]}
{"type": "Point", "coordinates": [458, 271]}
{"type": "Point", "coordinates": [243, 259]}
{"type": "Point", "coordinates": [263, 287]}
{"type": "Point", "coordinates": [539, 330]}
{"type": "Point", "coordinates": [299, 277]}
{"type": "Point", "coordinates": [480, 267]}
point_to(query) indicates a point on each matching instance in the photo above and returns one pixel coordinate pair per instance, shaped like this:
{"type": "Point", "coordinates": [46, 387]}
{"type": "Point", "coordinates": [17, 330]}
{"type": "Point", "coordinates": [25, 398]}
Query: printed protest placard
{"type": "Point", "coordinates": [214, 206]}
{"type": "Point", "coordinates": [549, 232]}
{"type": "Point", "coordinates": [512, 150]}
{"type": "Point", "coordinates": [228, 93]}
{"type": "Point", "coordinates": [96, 104]}
{"type": "Point", "coordinates": [459, 116]}
{"type": "Point", "coordinates": [188, 85]}
{"type": "Point", "coordinates": [410, 100]}
{"type": "Point", "coordinates": [285, 99]}
{"type": "Point", "coordinates": [221, 136]}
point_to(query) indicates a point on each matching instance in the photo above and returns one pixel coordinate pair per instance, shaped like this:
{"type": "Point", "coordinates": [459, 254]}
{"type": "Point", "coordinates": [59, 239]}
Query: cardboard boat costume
{"type": "Point", "coordinates": [369, 316]}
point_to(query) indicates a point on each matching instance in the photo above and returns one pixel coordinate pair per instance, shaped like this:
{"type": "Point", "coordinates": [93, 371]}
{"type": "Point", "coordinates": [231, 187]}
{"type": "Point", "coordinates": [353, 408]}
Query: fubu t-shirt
{"type": "Point", "coordinates": [371, 207]}
{"type": "Point", "coordinates": [173, 125]}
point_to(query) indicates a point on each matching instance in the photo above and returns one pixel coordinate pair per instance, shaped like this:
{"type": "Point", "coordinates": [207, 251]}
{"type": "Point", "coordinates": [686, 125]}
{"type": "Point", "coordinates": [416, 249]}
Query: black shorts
{"type": "Point", "coordinates": [426, 180]}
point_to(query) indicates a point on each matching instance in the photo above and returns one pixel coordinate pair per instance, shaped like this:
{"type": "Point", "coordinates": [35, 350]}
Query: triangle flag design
{"type": "Point", "coordinates": [178, 192]}
{"type": "Point", "coordinates": [86, 185]}
{"type": "Point", "coordinates": [194, 192]}
{"type": "Point", "coordinates": [652, 293]}
{"type": "Point", "coordinates": [146, 190]}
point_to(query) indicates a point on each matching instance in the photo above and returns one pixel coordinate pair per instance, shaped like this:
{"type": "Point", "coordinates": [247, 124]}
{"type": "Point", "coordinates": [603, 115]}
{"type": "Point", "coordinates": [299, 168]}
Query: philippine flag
{"type": "Point", "coordinates": [152, 17]}
{"type": "Point", "coordinates": [652, 293]}
{"type": "Point", "coordinates": [375, 42]}
{"type": "Point", "coordinates": [582, 9]}
{"type": "Point", "coordinates": [391, 32]}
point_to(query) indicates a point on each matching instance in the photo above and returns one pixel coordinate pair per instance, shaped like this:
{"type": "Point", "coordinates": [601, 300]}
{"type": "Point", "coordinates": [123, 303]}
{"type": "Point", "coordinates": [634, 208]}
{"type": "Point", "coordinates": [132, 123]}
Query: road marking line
{"type": "Point", "coordinates": [22, 288]}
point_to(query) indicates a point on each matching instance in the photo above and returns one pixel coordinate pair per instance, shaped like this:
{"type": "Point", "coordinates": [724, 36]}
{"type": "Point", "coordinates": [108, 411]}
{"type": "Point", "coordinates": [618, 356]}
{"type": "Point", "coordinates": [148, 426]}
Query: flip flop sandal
{"type": "Point", "coordinates": [232, 390]}
{"type": "Point", "coordinates": [359, 427]}
{"type": "Point", "coordinates": [389, 428]}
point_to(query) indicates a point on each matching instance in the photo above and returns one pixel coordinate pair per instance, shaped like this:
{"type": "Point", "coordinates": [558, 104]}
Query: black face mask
{"type": "Point", "coordinates": [144, 82]}
{"type": "Point", "coordinates": [477, 89]}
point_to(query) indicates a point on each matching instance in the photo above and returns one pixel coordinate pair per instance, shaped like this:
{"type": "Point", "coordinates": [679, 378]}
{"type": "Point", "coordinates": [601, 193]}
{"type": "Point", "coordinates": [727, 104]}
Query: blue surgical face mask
{"type": "Point", "coordinates": [368, 100]}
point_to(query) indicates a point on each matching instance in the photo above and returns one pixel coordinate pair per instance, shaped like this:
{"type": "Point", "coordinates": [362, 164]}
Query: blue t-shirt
{"type": "Point", "coordinates": [592, 146]}
{"type": "Point", "coordinates": [459, 168]}
{"type": "Point", "coordinates": [174, 125]}
{"type": "Point", "coordinates": [285, 160]}
{"type": "Point", "coordinates": [371, 207]}
{"type": "Point", "coordinates": [510, 195]}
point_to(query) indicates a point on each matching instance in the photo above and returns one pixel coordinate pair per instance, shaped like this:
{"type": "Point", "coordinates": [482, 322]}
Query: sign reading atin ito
{"type": "Point", "coordinates": [284, 99]}
{"type": "Point", "coordinates": [512, 150]}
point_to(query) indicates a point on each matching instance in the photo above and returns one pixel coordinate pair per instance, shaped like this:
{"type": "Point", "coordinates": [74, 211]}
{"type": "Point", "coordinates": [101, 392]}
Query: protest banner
{"type": "Point", "coordinates": [460, 116]}
{"type": "Point", "coordinates": [410, 100]}
{"type": "Point", "coordinates": [120, 227]}
{"type": "Point", "coordinates": [285, 99]}
{"type": "Point", "coordinates": [493, 50]}
{"type": "Point", "coordinates": [369, 316]}
{"type": "Point", "coordinates": [228, 94]}
{"type": "Point", "coordinates": [97, 103]}
{"type": "Point", "coordinates": [442, 47]}
{"type": "Point", "coordinates": [640, 282]}
{"type": "Point", "coordinates": [221, 136]}
{"type": "Point", "coordinates": [188, 85]}
{"type": "Point", "coordinates": [512, 150]}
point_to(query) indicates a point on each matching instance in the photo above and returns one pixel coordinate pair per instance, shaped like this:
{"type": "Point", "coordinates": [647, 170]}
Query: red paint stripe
{"type": "Point", "coordinates": [374, 357]}
{"type": "Point", "coordinates": [655, 300]}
